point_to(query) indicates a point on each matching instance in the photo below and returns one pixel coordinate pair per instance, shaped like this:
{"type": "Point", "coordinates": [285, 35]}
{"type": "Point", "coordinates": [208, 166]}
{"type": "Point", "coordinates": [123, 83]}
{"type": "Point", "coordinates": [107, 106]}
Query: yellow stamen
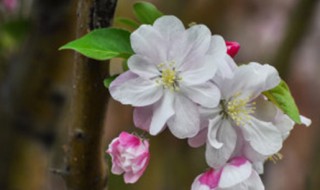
{"type": "Point", "coordinates": [240, 109]}
{"type": "Point", "coordinates": [169, 76]}
{"type": "Point", "coordinates": [276, 157]}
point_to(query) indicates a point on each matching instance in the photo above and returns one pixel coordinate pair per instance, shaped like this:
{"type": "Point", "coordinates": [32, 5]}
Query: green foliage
{"type": "Point", "coordinates": [108, 80]}
{"type": "Point", "coordinates": [281, 97]}
{"type": "Point", "coordinates": [128, 22]}
{"type": "Point", "coordinates": [103, 44]}
{"type": "Point", "coordinates": [146, 13]}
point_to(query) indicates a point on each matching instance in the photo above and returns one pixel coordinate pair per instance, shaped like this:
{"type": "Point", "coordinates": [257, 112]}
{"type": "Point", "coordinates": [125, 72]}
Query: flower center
{"type": "Point", "coordinates": [169, 76]}
{"type": "Point", "coordinates": [240, 109]}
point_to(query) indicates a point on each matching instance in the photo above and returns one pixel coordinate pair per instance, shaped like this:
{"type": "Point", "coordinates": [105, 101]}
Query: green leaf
{"type": "Point", "coordinates": [127, 22]}
{"type": "Point", "coordinates": [103, 44]}
{"type": "Point", "coordinates": [281, 97]}
{"type": "Point", "coordinates": [146, 13]}
{"type": "Point", "coordinates": [108, 80]}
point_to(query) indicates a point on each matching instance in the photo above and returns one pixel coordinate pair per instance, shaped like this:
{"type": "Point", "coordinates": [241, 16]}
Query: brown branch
{"type": "Point", "coordinates": [85, 163]}
{"type": "Point", "coordinates": [297, 28]}
{"type": "Point", "coordinates": [30, 103]}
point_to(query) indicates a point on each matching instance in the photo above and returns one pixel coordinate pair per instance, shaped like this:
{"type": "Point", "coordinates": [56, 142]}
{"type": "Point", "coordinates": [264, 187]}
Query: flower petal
{"type": "Point", "coordinates": [142, 117]}
{"type": "Point", "coordinates": [218, 46]}
{"type": "Point", "coordinates": [263, 137]}
{"type": "Point", "coordinates": [204, 70]}
{"type": "Point", "coordinates": [305, 121]}
{"type": "Point", "coordinates": [235, 174]}
{"type": "Point", "coordinates": [142, 67]}
{"type": "Point", "coordinates": [169, 26]}
{"type": "Point", "coordinates": [226, 135]}
{"type": "Point", "coordinates": [185, 123]}
{"type": "Point", "coordinates": [124, 77]}
{"type": "Point", "coordinates": [251, 80]}
{"type": "Point", "coordinates": [163, 110]}
{"type": "Point", "coordinates": [137, 92]}
{"type": "Point", "coordinates": [199, 139]}
{"type": "Point", "coordinates": [194, 44]}
{"type": "Point", "coordinates": [206, 94]}
{"type": "Point", "coordinates": [149, 42]}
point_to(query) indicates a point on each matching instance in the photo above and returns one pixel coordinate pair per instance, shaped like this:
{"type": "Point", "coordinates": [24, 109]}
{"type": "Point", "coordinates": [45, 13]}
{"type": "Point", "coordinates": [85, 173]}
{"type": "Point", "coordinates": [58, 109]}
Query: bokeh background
{"type": "Point", "coordinates": [283, 33]}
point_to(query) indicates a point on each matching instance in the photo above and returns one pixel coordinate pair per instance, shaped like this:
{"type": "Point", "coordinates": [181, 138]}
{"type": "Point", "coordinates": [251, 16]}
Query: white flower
{"type": "Point", "coordinates": [238, 174]}
{"type": "Point", "coordinates": [242, 113]}
{"type": "Point", "coordinates": [169, 76]}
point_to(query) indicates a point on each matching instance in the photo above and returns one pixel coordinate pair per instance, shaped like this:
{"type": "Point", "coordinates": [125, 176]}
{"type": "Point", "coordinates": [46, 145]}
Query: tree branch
{"type": "Point", "coordinates": [85, 163]}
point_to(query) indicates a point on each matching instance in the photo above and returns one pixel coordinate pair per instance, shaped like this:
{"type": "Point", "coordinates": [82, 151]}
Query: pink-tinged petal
{"type": "Point", "coordinates": [196, 185]}
{"type": "Point", "coordinates": [143, 67]}
{"type": "Point", "coordinates": [251, 80]}
{"type": "Point", "coordinates": [163, 110]}
{"type": "Point", "coordinates": [129, 140]}
{"type": "Point", "coordinates": [199, 139]}
{"type": "Point", "coordinates": [203, 71]}
{"type": "Point", "coordinates": [305, 121]}
{"type": "Point", "coordinates": [235, 174]}
{"type": "Point", "coordinates": [264, 137]}
{"type": "Point", "coordinates": [232, 48]}
{"type": "Point", "coordinates": [211, 178]}
{"type": "Point", "coordinates": [137, 92]}
{"type": "Point", "coordinates": [149, 42]}
{"type": "Point", "coordinates": [142, 117]}
{"type": "Point", "coordinates": [238, 161]}
{"type": "Point", "coordinates": [217, 157]}
{"type": "Point", "coordinates": [130, 155]}
{"type": "Point", "coordinates": [206, 94]}
{"type": "Point", "coordinates": [124, 77]}
{"type": "Point", "coordinates": [185, 123]}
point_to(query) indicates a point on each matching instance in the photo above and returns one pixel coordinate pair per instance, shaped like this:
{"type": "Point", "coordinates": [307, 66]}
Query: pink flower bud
{"type": "Point", "coordinates": [232, 48]}
{"type": "Point", "coordinates": [236, 174]}
{"type": "Point", "coordinates": [10, 4]}
{"type": "Point", "coordinates": [130, 155]}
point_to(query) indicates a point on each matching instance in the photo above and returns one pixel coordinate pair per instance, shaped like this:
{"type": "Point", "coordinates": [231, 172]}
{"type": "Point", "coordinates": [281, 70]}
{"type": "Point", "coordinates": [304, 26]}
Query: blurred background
{"type": "Point", "coordinates": [283, 33]}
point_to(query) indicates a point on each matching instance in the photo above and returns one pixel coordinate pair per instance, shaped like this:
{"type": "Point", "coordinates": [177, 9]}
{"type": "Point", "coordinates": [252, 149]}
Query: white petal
{"type": "Point", "coordinates": [185, 123]}
{"type": "Point", "coordinates": [137, 92]}
{"type": "Point", "coordinates": [264, 137]}
{"type": "Point", "coordinates": [265, 110]}
{"type": "Point", "coordinates": [204, 70]}
{"type": "Point", "coordinates": [124, 77]}
{"type": "Point", "coordinates": [207, 94]}
{"type": "Point", "coordinates": [252, 183]}
{"type": "Point", "coordinates": [252, 79]}
{"type": "Point", "coordinates": [142, 67]}
{"type": "Point", "coordinates": [232, 175]}
{"type": "Point", "coordinates": [196, 185]}
{"type": "Point", "coordinates": [283, 123]}
{"type": "Point", "coordinates": [305, 121]}
{"type": "Point", "coordinates": [168, 26]}
{"type": "Point", "coordinates": [214, 126]}
{"type": "Point", "coordinates": [218, 157]}
{"type": "Point", "coordinates": [195, 44]}
{"type": "Point", "coordinates": [149, 42]}
{"type": "Point", "coordinates": [218, 46]}
{"type": "Point", "coordinates": [162, 112]}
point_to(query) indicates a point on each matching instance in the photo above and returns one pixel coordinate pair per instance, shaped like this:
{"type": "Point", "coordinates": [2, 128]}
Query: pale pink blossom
{"type": "Point", "coordinates": [237, 174]}
{"type": "Point", "coordinates": [170, 76]}
{"type": "Point", "coordinates": [130, 155]}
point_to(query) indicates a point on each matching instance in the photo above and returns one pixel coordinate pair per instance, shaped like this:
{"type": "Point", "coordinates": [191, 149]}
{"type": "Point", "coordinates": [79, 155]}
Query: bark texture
{"type": "Point", "coordinates": [85, 165]}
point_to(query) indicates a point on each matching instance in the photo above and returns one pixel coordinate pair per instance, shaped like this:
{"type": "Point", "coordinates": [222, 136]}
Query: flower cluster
{"type": "Point", "coordinates": [187, 80]}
